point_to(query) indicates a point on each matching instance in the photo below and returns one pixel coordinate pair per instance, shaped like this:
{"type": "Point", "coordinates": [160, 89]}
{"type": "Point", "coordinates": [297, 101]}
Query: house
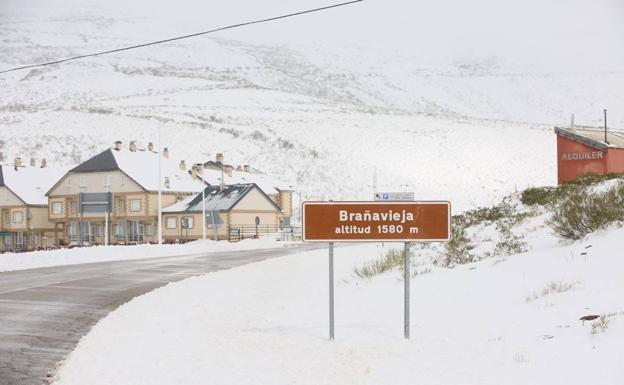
{"type": "Point", "coordinates": [242, 207]}
{"type": "Point", "coordinates": [125, 182]}
{"type": "Point", "coordinates": [24, 223]}
{"type": "Point", "coordinates": [217, 172]}
{"type": "Point", "coordinates": [587, 150]}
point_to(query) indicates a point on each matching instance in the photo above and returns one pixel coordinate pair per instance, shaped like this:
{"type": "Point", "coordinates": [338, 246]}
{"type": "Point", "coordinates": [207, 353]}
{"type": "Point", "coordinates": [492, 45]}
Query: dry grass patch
{"type": "Point", "coordinates": [393, 259]}
{"type": "Point", "coordinates": [553, 287]}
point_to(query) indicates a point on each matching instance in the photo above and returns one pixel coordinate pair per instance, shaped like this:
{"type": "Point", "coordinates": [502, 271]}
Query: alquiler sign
{"type": "Point", "coordinates": [582, 155]}
{"type": "Point", "coordinates": [376, 221]}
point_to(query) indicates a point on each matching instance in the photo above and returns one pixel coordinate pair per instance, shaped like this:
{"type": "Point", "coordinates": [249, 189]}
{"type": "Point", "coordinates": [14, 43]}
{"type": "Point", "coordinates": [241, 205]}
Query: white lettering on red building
{"type": "Point", "coordinates": [582, 155]}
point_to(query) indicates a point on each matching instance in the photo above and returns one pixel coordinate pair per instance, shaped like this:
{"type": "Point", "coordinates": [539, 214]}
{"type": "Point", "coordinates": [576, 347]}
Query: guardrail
{"type": "Point", "coordinates": [238, 233]}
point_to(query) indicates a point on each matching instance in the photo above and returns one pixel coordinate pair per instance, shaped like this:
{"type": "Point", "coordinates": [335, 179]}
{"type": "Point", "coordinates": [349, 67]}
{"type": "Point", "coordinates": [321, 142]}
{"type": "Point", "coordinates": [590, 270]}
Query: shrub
{"type": "Point", "coordinates": [538, 196]}
{"type": "Point", "coordinates": [483, 214]}
{"type": "Point", "coordinates": [510, 243]}
{"type": "Point", "coordinates": [457, 250]}
{"type": "Point", "coordinates": [582, 212]}
{"type": "Point", "coordinates": [547, 195]}
{"type": "Point", "coordinates": [592, 179]}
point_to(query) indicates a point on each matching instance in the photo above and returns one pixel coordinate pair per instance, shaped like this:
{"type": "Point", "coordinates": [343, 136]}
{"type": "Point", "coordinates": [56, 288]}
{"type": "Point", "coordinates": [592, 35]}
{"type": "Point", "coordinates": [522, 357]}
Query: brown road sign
{"type": "Point", "coordinates": [377, 221]}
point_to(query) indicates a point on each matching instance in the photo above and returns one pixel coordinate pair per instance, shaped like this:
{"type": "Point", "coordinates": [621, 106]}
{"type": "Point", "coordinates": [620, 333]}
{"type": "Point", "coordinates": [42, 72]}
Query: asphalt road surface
{"type": "Point", "coordinates": [44, 312]}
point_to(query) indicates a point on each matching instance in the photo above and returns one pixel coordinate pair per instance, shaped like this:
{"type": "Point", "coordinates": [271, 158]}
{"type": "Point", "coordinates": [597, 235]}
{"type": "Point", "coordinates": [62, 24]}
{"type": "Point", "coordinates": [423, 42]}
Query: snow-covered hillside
{"type": "Point", "coordinates": [329, 119]}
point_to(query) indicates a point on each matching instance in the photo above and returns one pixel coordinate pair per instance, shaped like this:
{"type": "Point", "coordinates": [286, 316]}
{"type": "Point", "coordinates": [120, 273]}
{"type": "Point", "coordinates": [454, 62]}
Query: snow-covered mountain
{"type": "Point", "coordinates": [337, 121]}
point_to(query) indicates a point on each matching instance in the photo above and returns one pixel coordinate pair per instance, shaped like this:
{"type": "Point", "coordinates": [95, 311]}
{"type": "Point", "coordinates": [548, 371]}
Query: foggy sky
{"type": "Point", "coordinates": [586, 32]}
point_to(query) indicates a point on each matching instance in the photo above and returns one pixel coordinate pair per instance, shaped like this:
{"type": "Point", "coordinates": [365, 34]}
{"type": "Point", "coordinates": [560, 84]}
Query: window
{"type": "Point", "coordinates": [123, 180]}
{"type": "Point", "coordinates": [19, 240]}
{"type": "Point", "coordinates": [121, 206]}
{"type": "Point", "coordinates": [73, 207]}
{"type": "Point", "coordinates": [172, 223]}
{"type": "Point", "coordinates": [72, 231]}
{"type": "Point", "coordinates": [107, 180]}
{"type": "Point", "coordinates": [18, 217]}
{"type": "Point", "coordinates": [83, 181]}
{"type": "Point", "coordinates": [69, 181]}
{"type": "Point", "coordinates": [57, 208]}
{"type": "Point", "coordinates": [135, 231]}
{"type": "Point", "coordinates": [119, 229]}
{"type": "Point", "coordinates": [135, 204]}
{"type": "Point", "coordinates": [148, 230]}
{"type": "Point", "coordinates": [187, 222]}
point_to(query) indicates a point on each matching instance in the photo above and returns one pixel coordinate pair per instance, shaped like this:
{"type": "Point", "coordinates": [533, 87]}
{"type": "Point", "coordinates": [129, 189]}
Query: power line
{"type": "Point", "coordinates": [182, 37]}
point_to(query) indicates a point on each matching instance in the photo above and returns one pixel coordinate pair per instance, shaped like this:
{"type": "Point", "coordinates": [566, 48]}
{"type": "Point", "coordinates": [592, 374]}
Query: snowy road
{"type": "Point", "coordinates": [44, 312]}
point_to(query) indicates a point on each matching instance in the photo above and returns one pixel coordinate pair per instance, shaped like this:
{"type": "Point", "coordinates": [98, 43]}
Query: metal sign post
{"type": "Point", "coordinates": [331, 291]}
{"type": "Point", "coordinates": [216, 220]}
{"type": "Point", "coordinates": [106, 228]}
{"type": "Point", "coordinates": [406, 295]}
{"type": "Point", "coordinates": [212, 216]}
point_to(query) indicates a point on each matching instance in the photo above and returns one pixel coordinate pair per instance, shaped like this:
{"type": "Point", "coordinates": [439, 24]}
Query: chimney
{"type": "Point", "coordinates": [133, 146]}
{"type": "Point", "coordinates": [44, 163]}
{"type": "Point", "coordinates": [228, 170]}
{"type": "Point", "coordinates": [246, 168]}
{"type": "Point", "coordinates": [166, 153]}
{"type": "Point", "coordinates": [150, 147]}
{"type": "Point", "coordinates": [167, 182]}
{"type": "Point", "coordinates": [572, 121]}
{"type": "Point", "coordinates": [18, 162]}
{"type": "Point", "coordinates": [182, 165]}
{"type": "Point", "coordinates": [118, 145]}
{"type": "Point", "coordinates": [1, 156]}
{"type": "Point", "coordinates": [220, 158]}
{"type": "Point", "coordinates": [33, 162]}
{"type": "Point", "coordinates": [239, 168]}
{"type": "Point", "coordinates": [195, 171]}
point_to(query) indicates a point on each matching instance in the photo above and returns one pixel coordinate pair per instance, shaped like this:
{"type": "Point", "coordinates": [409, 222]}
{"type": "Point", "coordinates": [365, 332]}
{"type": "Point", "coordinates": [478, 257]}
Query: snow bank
{"type": "Point", "coordinates": [34, 259]}
{"type": "Point", "coordinates": [266, 323]}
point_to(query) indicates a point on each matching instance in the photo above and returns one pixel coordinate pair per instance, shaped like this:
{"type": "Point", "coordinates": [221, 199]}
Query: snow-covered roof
{"type": "Point", "coordinates": [593, 137]}
{"type": "Point", "coordinates": [180, 206]}
{"type": "Point", "coordinates": [268, 184]}
{"type": "Point", "coordinates": [142, 167]}
{"type": "Point", "coordinates": [216, 200]}
{"type": "Point", "coordinates": [30, 183]}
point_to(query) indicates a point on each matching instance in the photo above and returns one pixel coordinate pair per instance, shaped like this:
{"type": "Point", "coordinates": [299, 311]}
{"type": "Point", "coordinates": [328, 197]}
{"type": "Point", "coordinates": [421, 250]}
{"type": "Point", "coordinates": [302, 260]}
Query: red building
{"type": "Point", "coordinates": [583, 150]}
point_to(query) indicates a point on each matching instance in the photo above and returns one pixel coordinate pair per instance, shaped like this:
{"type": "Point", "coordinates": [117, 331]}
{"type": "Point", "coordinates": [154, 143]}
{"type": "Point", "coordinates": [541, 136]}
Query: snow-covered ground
{"type": "Point", "coordinates": [491, 322]}
{"type": "Point", "coordinates": [79, 255]}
